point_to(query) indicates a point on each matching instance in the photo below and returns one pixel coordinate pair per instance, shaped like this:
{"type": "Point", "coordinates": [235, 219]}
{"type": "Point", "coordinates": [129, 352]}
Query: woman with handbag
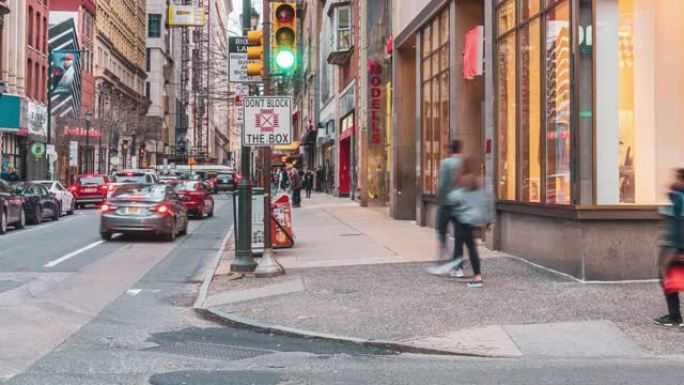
{"type": "Point", "coordinates": [671, 259]}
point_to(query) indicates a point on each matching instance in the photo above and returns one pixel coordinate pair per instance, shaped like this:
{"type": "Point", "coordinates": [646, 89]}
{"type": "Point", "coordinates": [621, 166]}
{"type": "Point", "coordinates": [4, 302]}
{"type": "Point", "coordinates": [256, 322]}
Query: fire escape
{"type": "Point", "coordinates": [200, 86]}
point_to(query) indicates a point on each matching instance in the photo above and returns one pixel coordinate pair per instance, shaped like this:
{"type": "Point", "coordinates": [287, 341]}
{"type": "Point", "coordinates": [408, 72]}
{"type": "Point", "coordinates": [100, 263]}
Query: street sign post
{"type": "Point", "coordinates": [267, 121]}
{"type": "Point", "coordinates": [237, 61]}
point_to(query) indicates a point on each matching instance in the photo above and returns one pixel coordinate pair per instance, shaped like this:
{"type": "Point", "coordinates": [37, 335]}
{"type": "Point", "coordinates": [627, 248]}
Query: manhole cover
{"type": "Point", "coordinates": [208, 350]}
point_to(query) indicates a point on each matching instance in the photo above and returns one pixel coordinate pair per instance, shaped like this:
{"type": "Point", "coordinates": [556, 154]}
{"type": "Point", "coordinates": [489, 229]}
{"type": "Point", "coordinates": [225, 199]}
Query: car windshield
{"type": "Point", "coordinates": [19, 187]}
{"type": "Point", "coordinates": [88, 180]}
{"type": "Point", "coordinates": [130, 178]}
{"type": "Point", "coordinates": [186, 185]}
{"type": "Point", "coordinates": [146, 193]}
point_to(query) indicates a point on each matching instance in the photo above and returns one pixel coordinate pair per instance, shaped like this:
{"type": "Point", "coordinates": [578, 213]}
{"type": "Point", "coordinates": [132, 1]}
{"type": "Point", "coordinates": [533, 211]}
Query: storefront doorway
{"type": "Point", "coordinates": [345, 167]}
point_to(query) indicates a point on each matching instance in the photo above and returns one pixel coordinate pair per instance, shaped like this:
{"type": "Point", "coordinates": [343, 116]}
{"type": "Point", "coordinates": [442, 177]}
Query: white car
{"type": "Point", "coordinates": [67, 203]}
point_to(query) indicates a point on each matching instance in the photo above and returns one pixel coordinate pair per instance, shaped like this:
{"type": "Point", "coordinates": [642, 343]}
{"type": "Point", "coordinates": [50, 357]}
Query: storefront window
{"type": "Point", "coordinates": [558, 138]}
{"type": "Point", "coordinates": [507, 118]}
{"type": "Point", "coordinates": [534, 103]}
{"type": "Point", "coordinates": [435, 98]}
{"type": "Point", "coordinates": [640, 86]}
{"type": "Point", "coordinates": [530, 104]}
{"type": "Point", "coordinates": [506, 16]}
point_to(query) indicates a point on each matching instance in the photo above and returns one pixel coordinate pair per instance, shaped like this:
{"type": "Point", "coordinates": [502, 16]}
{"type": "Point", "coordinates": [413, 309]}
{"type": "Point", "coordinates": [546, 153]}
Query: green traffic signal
{"type": "Point", "coordinates": [285, 59]}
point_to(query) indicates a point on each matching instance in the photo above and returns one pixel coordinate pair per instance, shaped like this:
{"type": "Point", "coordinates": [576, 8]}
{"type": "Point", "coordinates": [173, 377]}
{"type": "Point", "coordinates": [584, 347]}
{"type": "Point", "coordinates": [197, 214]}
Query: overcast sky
{"type": "Point", "coordinates": [235, 20]}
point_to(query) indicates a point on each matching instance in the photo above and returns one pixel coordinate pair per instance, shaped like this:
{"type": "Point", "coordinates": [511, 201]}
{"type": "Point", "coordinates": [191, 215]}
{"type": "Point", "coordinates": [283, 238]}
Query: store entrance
{"type": "Point", "coordinates": [345, 167]}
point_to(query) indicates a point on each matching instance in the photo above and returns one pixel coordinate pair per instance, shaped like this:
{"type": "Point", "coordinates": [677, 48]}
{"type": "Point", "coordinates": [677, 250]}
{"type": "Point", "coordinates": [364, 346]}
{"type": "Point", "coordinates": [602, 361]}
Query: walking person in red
{"type": "Point", "coordinates": [671, 260]}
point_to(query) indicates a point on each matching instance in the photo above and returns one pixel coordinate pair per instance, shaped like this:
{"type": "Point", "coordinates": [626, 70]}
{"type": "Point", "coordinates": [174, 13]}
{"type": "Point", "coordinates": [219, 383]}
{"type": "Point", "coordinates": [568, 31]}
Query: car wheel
{"type": "Point", "coordinates": [22, 221]}
{"type": "Point", "coordinates": [106, 236]}
{"type": "Point", "coordinates": [58, 213]}
{"type": "Point", "coordinates": [170, 237]}
{"type": "Point", "coordinates": [37, 215]}
{"type": "Point", "coordinates": [185, 228]}
{"type": "Point", "coordinates": [3, 221]}
{"type": "Point", "coordinates": [211, 212]}
{"type": "Point", "coordinates": [71, 209]}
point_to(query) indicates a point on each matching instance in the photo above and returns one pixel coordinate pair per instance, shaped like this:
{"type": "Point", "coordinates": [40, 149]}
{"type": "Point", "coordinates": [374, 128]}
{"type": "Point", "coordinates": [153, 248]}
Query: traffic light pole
{"type": "Point", "coordinates": [244, 262]}
{"type": "Point", "coordinates": [268, 246]}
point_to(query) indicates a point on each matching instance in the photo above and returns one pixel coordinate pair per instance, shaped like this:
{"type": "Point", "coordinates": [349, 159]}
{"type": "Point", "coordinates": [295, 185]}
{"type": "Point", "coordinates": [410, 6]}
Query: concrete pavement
{"type": "Point", "coordinates": [356, 273]}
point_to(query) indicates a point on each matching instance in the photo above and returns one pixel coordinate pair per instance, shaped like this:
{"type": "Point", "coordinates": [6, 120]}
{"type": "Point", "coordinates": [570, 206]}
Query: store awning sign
{"type": "Point", "coordinates": [267, 121]}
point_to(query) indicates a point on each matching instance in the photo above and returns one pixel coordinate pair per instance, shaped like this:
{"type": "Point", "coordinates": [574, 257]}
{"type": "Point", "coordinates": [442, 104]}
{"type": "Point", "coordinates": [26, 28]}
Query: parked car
{"type": "Point", "coordinates": [199, 200]}
{"type": "Point", "coordinates": [226, 181]}
{"type": "Point", "coordinates": [67, 203]}
{"type": "Point", "coordinates": [90, 189]}
{"type": "Point", "coordinates": [11, 208]}
{"type": "Point", "coordinates": [144, 208]}
{"type": "Point", "coordinates": [39, 204]}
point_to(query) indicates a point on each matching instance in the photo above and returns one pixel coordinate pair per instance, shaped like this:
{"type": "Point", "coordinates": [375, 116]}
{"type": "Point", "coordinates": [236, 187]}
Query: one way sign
{"type": "Point", "coordinates": [267, 121]}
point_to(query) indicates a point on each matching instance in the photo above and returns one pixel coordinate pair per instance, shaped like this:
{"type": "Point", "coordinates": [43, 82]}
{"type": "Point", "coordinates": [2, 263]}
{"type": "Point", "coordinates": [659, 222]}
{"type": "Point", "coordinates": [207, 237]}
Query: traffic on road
{"type": "Point", "coordinates": [142, 202]}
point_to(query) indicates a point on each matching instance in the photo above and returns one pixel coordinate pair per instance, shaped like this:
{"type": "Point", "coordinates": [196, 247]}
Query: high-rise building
{"type": "Point", "coordinates": [120, 76]}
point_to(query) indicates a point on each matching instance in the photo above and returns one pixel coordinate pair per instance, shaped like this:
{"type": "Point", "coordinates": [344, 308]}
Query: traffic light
{"type": "Point", "coordinates": [255, 53]}
{"type": "Point", "coordinates": [284, 38]}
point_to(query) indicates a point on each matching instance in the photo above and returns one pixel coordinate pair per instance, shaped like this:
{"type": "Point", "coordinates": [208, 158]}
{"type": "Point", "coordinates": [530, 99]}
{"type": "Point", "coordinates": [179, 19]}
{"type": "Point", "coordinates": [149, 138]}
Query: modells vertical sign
{"type": "Point", "coordinates": [378, 27]}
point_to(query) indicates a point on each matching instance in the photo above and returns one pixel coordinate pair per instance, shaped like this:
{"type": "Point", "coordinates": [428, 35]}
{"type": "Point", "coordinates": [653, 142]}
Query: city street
{"type": "Point", "coordinates": [120, 313]}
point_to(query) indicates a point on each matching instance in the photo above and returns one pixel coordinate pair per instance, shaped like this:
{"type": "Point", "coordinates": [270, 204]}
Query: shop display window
{"type": "Point", "coordinates": [435, 98]}
{"type": "Point", "coordinates": [534, 102]}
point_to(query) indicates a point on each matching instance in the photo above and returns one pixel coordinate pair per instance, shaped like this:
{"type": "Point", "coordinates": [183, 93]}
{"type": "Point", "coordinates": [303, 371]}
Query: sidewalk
{"type": "Point", "coordinates": [356, 272]}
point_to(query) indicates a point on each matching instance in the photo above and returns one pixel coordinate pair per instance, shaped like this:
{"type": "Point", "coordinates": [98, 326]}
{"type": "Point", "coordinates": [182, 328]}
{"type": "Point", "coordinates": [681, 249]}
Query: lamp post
{"type": "Point", "coordinates": [88, 117]}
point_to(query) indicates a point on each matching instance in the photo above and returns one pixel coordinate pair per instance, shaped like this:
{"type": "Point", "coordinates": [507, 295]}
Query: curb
{"type": "Point", "coordinates": [228, 319]}
{"type": "Point", "coordinates": [210, 270]}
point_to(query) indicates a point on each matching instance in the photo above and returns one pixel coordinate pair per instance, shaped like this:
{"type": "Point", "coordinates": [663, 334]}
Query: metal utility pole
{"type": "Point", "coordinates": [243, 247]}
{"type": "Point", "coordinates": [268, 246]}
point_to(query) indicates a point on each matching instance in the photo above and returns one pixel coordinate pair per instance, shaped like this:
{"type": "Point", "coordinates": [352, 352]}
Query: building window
{"type": "Point", "coordinates": [153, 25]}
{"type": "Point", "coordinates": [147, 90]}
{"type": "Point", "coordinates": [29, 78]}
{"type": "Point", "coordinates": [343, 28]}
{"type": "Point", "coordinates": [639, 97]}
{"type": "Point", "coordinates": [435, 98]}
{"type": "Point", "coordinates": [30, 26]}
{"type": "Point", "coordinates": [148, 59]}
{"type": "Point", "coordinates": [533, 95]}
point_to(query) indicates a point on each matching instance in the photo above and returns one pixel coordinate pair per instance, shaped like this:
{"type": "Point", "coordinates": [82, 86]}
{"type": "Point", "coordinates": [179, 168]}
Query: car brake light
{"type": "Point", "coordinates": [162, 209]}
{"type": "Point", "coordinates": [105, 207]}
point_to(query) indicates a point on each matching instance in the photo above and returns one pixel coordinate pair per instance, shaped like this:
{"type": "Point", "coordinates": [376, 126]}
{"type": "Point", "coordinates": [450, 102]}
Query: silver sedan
{"type": "Point", "coordinates": [147, 209]}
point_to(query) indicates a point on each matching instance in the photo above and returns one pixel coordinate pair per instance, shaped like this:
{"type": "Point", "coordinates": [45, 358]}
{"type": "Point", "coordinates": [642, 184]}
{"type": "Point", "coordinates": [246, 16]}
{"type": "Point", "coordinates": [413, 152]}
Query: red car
{"type": "Point", "coordinates": [198, 200]}
{"type": "Point", "coordinates": [90, 189]}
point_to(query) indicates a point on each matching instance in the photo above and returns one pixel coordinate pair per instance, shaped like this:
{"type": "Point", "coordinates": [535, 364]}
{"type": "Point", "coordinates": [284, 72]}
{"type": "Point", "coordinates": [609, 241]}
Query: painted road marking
{"type": "Point", "coordinates": [59, 260]}
{"type": "Point", "coordinates": [39, 227]}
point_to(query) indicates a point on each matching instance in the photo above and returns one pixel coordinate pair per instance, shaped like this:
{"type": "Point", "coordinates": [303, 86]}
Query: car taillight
{"type": "Point", "coordinates": [73, 188]}
{"type": "Point", "coordinates": [162, 209]}
{"type": "Point", "coordinates": [106, 207]}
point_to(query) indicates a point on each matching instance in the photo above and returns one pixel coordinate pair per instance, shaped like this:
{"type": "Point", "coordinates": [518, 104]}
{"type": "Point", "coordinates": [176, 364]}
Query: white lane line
{"type": "Point", "coordinates": [40, 226]}
{"type": "Point", "coordinates": [59, 260]}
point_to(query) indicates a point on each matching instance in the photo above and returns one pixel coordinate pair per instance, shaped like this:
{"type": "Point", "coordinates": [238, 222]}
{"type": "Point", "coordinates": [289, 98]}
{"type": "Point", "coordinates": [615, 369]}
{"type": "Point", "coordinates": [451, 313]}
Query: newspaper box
{"type": "Point", "coordinates": [281, 222]}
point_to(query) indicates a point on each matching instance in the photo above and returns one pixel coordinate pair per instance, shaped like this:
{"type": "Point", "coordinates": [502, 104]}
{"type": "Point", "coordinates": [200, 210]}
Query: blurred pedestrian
{"type": "Point", "coordinates": [297, 185]}
{"type": "Point", "coordinates": [671, 259]}
{"type": "Point", "coordinates": [472, 210]}
{"type": "Point", "coordinates": [12, 175]}
{"type": "Point", "coordinates": [450, 170]}
{"type": "Point", "coordinates": [284, 180]}
{"type": "Point", "coordinates": [308, 182]}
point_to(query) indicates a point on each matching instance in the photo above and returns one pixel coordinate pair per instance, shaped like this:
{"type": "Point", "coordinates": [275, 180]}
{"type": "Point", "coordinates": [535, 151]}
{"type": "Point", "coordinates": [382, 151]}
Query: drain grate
{"type": "Point", "coordinates": [208, 350]}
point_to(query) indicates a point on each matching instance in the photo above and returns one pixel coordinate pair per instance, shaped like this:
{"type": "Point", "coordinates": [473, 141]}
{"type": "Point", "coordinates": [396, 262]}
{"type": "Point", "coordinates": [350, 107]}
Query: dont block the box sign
{"type": "Point", "coordinates": [267, 121]}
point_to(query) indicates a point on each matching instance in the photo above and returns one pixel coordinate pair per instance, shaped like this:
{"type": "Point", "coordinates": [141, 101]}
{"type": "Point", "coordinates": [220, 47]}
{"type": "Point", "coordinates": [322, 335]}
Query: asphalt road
{"type": "Point", "coordinates": [119, 313]}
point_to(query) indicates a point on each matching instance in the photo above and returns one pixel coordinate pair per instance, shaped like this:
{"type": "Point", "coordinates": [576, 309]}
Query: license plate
{"type": "Point", "coordinates": [132, 210]}
{"type": "Point", "coordinates": [89, 189]}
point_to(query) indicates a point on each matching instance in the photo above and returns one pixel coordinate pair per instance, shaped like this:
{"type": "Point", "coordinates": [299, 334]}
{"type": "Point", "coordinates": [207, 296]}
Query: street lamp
{"type": "Point", "coordinates": [88, 117]}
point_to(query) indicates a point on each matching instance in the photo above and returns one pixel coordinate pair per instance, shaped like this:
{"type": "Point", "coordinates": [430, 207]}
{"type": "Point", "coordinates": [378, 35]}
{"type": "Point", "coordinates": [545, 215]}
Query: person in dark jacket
{"type": "Point", "coordinates": [308, 182]}
{"type": "Point", "coordinates": [671, 257]}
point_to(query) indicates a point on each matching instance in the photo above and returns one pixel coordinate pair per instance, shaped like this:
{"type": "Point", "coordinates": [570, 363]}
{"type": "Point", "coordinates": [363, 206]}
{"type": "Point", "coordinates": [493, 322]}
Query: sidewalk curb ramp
{"type": "Point", "coordinates": [227, 319]}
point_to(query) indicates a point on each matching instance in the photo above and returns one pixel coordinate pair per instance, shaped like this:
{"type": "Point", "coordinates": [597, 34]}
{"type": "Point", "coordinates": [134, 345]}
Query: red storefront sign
{"type": "Point", "coordinates": [80, 131]}
{"type": "Point", "coordinates": [375, 73]}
